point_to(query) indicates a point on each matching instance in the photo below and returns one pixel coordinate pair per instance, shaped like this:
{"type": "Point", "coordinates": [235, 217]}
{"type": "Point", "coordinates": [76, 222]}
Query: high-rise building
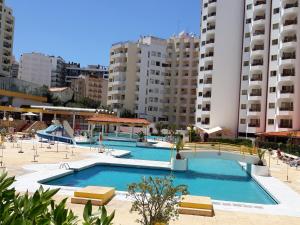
{"type": "Point", "coordinates": [7, 22]}
{"type": "Point", "coordinates": [14, 68]}
{"type": "Point", "coordinates": [155, 78]}
{"type": "Point", "coordinates": [249, 56]}
{"type": "Point", "coordinates": [90, 86]}
{"type": "Point", "coordinates": [73, 71]}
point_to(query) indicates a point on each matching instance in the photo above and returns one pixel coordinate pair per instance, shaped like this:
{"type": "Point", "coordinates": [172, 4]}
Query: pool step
{"type": "Point", "coordinates": [196, 205]}
{"type": "Point", "coordinates": [97, 195]}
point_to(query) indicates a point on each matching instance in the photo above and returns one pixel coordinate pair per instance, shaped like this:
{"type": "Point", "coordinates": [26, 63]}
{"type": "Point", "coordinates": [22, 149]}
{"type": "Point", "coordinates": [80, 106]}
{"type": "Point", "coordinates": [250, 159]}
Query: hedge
{"type": "Point", "coordinates": [236, 141]}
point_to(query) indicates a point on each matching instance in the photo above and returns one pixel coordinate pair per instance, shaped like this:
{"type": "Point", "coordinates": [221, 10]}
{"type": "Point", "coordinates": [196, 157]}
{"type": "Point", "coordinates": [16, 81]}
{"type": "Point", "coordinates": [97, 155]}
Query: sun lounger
{"type": "Point", "coordinates": [196, 205]}
{"type": "Point", "coordinates": [98, 195]}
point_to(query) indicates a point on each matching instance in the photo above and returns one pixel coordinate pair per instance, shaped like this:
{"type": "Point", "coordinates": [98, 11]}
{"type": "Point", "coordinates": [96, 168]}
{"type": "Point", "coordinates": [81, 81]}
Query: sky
{"type": "Point", "coordinates": [84, 30]}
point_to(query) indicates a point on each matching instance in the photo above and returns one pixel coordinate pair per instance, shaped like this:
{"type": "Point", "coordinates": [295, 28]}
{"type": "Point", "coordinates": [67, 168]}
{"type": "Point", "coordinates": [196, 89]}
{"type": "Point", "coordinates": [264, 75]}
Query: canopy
{"type": "Point", "coordinates": [211, 131]}
{"type": "Point", "coordinates": [29, 114]}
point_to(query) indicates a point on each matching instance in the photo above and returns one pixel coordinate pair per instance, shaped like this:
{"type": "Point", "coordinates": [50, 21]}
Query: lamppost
{"type": "Point", "coordinates": [190, 133]}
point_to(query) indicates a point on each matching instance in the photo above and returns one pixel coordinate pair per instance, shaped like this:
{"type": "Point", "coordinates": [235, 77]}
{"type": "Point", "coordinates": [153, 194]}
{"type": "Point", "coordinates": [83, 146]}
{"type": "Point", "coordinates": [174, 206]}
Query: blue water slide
{"type": "Point", "coordinates": [48, 134]}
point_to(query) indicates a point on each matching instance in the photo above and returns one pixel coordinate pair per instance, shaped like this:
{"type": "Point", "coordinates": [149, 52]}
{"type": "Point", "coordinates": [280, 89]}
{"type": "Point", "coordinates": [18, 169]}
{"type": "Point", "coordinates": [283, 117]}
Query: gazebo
{"type": "Point", "coordinates": [116, 121]}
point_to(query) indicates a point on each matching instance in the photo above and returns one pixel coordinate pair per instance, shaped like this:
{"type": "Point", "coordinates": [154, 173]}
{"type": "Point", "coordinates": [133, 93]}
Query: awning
{"type": "Point", "coordinates": [29, 114]}
{"type": "Point", "coordinates": [211, 131]}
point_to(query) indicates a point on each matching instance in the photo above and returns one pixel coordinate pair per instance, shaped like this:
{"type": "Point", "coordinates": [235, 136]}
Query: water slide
{"type": "Point", "coordinates": [50, 134]}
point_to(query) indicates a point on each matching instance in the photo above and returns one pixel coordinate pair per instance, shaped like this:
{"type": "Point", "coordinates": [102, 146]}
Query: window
{"type": "Point", "coordinates": [275, 42]}
{"type": "Point", "coordinates": [275, 26]}
{"type": "Point", "coordinates": [244, 92]}
{"type": "Point", "coordinates": [272, 89]}
{"type": "Point", "coordinates": [200, 81]}
{"type": "Point", "coordinates": [270, 121]}
{"type": "Point", "coordinates": [246, 49]}
{"type": "Point", "coordinates": [276, 11]}
{"type": "Point", "coordinates": [243, 106]}
{"type": "Point", "coordinates": [200, 94]}
{"type": "Point", "coordinates": [247, 35]}
{"type": "Point", "coordinates": [273, 73]}
{"type": "Point", "coordinates": [204, 18]}
{"type": "Point", "coordinates": [273, 57]}
{"type": "Point", "coordinates": [242, 121]}
{"type": "Point", "coordinates": [198, 119]}
{"type": "Point", "coordinates": [249, 6]}
{"type": "Point", "coordinates": [271, 105]}
{"type": "Point", "coordinates": [248, 20]}
{"type": "Point", "coordinates": [245, 77]}
{"type": "Point", "coordinates": [246, 63]}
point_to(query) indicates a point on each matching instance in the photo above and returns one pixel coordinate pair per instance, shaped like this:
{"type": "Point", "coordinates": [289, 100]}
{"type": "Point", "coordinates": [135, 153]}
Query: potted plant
{"type": "Point", "coordinates": [260, 168]}
{"type": "Point", "coordinates": [179, 163]}
{"type": "Point", "coordinates": [141, 136]}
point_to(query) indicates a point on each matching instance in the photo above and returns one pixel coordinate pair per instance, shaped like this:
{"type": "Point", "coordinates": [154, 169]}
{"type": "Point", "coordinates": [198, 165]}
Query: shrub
{"type": "Point", "coordinates": [236, 141]}
{"type": "Point", "coordinates": [155, 199]}
{"type": "Point", "coordinates": [40, 208]}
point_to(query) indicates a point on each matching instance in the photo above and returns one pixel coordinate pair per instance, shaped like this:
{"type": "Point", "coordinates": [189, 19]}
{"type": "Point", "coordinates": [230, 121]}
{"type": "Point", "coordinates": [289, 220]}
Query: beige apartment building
{"type": "Point", "coordinates": [92, 87]}
{"type": "Point", "coordinates": [156, 78]}
{"type": "Point", "coordinates": [6, 38]}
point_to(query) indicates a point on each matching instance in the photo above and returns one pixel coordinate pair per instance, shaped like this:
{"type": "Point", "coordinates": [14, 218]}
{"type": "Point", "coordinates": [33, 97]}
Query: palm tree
{"type": "Point", "coordinates": [159, 126]}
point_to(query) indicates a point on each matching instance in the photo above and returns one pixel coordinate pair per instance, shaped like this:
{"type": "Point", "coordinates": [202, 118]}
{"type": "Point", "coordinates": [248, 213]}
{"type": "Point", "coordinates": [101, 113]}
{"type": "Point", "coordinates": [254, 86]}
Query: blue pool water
{"type": "Point", "coordinates": [219, 179]}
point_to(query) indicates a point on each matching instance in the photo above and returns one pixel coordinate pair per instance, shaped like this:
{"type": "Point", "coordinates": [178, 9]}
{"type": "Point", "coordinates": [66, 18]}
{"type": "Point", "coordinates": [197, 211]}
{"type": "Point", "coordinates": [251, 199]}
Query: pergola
{"type": "Point", "coordinates": [104, 120]}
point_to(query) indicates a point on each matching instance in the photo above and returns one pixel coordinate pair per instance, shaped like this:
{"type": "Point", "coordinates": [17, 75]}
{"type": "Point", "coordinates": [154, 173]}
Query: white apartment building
{"type": "Point", "coordinates": [7, 22]}
{"type": "Point", "coordinates": [41, 69]}
{"type": "Point", "coordinates": [220, 59]}
{"type": "Point", "coordinates": [155, 78]}
{"type": "Point", "coordinates": [268, 83]}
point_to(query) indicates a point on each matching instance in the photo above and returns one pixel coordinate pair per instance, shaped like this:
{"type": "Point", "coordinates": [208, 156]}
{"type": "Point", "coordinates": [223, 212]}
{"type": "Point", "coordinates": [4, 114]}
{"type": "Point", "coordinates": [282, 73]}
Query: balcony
{"type": "Point", "coordinates": [211, 17]}
{"type": "Point", "coordinates": [255, 80]}
{"type": "Point", "coordinates": [288, 58]}
{"type": "Point", "coordinates": [255, 95]}
{"type": "Point", "coordinates": [212, 3]}
{"type": "Point", "coordinates": [286, 124]}
{"type": "Point", "coordinates": [209, 68]}
{"type": "Point", "coordinates": [257, 50]}
{"type": "Point", "coordinates": [207, 95]}
{"type": "Point", "coordinates": [259, 20]}
{"type": "Point", "coordinates": [286, 92]}
{"type": "Point", "coordinates": [289, 42]}
{"type": "Point", "coordinates": [289, 25]}
{"type": "Point", "coordinates": [257, 64]}
{"type": "Point", "coordinates": [290, 8]}
{"type": "Point", "coordinates": [258, 35]}
{"type": "Point", "coordinates": [254, 110]}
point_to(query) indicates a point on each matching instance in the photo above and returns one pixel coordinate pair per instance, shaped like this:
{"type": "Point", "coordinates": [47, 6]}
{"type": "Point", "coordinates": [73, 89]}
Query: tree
{"type": "Point", "coordinates": [141, 136]}
{"type": "Point", "coordinates": [155, 199]}
{"type": "Point", "coordinates": [261, 155]}
{"type": "Point", "coordinates": [159, 126]}
{"type": "Point", "coordinates": [127, 114]}
{"type": "Point", "coordinates": [41, 209]}
{"type": "Point", "coordinates": [179, 146]}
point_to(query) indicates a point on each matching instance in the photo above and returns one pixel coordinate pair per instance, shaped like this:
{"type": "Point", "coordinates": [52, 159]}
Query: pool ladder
{"type": "Point", "coordinates": [64, 165]}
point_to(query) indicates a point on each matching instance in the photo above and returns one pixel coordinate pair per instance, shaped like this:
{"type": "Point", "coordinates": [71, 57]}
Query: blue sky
{"type": "Point", "coordinates": [83, 30]}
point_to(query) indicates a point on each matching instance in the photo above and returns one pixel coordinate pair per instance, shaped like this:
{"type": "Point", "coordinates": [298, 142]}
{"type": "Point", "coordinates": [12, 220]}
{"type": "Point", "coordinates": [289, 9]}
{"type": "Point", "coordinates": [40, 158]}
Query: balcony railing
{"type": "Point", "coordinates": [256, 77]}
{"type": "Point", "coordinates": [291, 5]}
{"type": "Point", "coordinates": [288, 72]}
{"type": "Point", "coordinates": [290, 55]}
{"type": "Point", "coordinates": [210, 41]}
{"type": "Point", "coordinates": [290, 39]}
{"type": "Point", "coordinates": [206, 109]}
{"type": "Point", "coordinates": [286, 124]}
{"type": "Point", "coordinates": [259, 32]}
{"type": "Point", "coordinates": [260, 3]}
{"type": "Point", "coordinates": [258, 93]}
{"type": "Point", "coordinates": [286, 109]}
{"type": "Point", "coordinates": [211, 14]}
{"type": "Point", "coordinates": [253, 125]}
{"type": "Point", "coordinates": [287, 90]}
{"type": "Point", "coordinates": [290, 22]}
{"type": "Point", "coordinates": [207, 95]}
{"type": "Point", "coordinates": [211, 27]}
{"type": "Point", "coordinates": [208, 81]}
{"type": "Point", "coordinates": [255, 109]}
{"type": "Point", "coordinates": [257, 63]}
{"type": "Point", "coordinates": [259, 18]}
{"type": "Point", "coordinates": [258, 47]}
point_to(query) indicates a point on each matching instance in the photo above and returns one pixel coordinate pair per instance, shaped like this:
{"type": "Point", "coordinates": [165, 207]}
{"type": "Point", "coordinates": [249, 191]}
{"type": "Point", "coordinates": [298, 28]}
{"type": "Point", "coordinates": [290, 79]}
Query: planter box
{"type": "Point", "coordinates": [179, 164]}
{"type": "Point", "coordinates": [260, 170]}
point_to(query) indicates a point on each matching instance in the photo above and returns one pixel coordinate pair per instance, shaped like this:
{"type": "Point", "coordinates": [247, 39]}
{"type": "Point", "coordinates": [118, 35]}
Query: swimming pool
{"type": "Point", "coordinates": [217, 178]}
